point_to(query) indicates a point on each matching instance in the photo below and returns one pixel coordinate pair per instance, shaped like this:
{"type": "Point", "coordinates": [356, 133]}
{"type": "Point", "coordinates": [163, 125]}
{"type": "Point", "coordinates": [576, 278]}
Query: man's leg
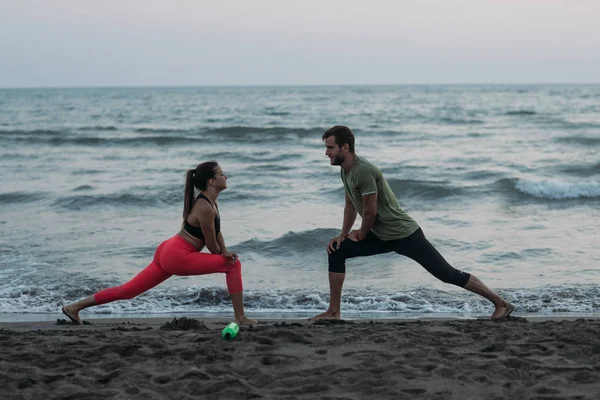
{"type": "Point", "coordinates": [503, 307]}
{"type": "Point", "coordinates": [336, 282]}
{"type": "Point", "coordinates": [371, 245]}
{"type": "Point", "coordinates": [418, 248]}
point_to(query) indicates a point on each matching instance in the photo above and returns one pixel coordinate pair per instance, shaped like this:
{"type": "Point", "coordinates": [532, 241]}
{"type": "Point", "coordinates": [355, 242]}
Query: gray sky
{"type": "Point", "coordinates": [219, 42]}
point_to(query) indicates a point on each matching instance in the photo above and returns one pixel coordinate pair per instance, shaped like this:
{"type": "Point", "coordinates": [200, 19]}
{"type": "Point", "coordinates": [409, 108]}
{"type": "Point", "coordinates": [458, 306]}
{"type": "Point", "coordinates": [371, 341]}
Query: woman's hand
{"type": "Point", "coordinates": [231, 256]}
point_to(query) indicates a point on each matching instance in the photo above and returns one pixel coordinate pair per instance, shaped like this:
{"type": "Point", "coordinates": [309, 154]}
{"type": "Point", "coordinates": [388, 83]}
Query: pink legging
{"type": "Point", "coordinates": [175, 256]}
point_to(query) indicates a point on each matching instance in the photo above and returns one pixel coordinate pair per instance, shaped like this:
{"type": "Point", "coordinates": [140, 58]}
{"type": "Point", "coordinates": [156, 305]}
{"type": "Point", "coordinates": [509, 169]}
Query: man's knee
{"type": "Point", "coordinates": [454, 277]}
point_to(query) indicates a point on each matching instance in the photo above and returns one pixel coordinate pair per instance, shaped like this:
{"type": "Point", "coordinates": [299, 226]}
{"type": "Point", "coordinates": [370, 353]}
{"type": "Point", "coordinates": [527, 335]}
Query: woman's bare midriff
{"type": "Point", "coordinates": [197, 243]}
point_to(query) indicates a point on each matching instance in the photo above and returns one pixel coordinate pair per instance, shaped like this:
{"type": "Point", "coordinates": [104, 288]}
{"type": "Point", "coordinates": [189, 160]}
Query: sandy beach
{"type": "Point", "coordinates": [185, 358]}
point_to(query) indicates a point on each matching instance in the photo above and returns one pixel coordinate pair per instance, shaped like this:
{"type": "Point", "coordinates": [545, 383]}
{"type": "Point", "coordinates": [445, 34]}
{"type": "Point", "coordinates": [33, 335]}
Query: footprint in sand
{"type": "Point", "coordinates": [545, 390]}
{"type": "Point", "coordinates": [277, 359]}
{"type": "Point", "coordinates": [365, 354]}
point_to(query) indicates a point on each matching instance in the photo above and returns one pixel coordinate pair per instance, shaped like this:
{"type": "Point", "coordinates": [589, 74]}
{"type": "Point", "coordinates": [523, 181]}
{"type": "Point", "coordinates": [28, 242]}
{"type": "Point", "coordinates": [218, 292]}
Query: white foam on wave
{"type": "Point", "coordinates": [421, 301]}
{"type": "Point", "coordinates": [556, 189]}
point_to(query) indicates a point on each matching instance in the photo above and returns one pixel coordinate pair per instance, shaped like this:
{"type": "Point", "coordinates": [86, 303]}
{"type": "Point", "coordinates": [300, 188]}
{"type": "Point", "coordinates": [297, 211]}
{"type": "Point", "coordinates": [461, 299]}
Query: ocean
{"type": "Point", "coordinates": [503, 179]}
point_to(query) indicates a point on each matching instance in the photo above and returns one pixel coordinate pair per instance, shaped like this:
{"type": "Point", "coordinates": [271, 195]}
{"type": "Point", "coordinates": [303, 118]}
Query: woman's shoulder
{"type": "Point", "coordinates": [202, 206]}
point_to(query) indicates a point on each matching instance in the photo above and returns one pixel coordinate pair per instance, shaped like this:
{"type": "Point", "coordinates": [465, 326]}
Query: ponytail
{"type": "Point", "coordinates": [188, 196]}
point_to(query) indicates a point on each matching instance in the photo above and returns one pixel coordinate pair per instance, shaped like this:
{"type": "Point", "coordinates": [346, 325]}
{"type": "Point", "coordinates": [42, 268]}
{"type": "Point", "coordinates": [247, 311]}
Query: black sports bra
{"type": "Point", "coordinates": [196, 231]}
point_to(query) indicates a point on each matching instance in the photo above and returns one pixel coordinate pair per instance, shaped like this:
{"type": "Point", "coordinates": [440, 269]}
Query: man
{"type": "Point", "coordinates": [385, 228]}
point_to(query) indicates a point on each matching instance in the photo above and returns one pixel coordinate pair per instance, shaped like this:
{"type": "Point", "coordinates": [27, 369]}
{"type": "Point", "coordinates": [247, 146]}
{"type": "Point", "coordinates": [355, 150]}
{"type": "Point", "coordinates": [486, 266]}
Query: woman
{"type": "Point", "coordinates": [181, 254]}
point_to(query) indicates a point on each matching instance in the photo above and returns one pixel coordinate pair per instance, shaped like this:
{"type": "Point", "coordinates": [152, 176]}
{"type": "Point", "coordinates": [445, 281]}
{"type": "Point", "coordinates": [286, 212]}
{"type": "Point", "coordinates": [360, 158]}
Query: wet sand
{"type": "Point", "coordinates": [165, 358]}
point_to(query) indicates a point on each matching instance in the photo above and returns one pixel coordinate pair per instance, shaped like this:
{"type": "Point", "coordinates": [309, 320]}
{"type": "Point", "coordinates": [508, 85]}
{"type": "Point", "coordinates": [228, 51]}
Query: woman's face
{"type": "Point", "coordinates": [220, 179]}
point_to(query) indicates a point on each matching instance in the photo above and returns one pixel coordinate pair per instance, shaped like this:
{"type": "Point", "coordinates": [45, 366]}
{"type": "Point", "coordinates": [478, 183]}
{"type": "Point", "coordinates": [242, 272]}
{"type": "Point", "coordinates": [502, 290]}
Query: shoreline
{"type": "Point", "coordinates": [9, 319]}
{"type": "Point", "coordinates": [61, 322]}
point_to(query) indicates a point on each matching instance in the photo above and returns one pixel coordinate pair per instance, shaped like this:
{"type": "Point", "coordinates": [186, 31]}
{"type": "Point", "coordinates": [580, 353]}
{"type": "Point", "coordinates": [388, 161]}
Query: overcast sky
{"type": "Point", "coordinates": [261, 42]}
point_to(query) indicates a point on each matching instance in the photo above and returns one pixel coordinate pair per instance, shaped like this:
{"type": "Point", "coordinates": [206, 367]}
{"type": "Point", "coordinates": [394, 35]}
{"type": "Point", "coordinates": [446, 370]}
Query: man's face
{"type": "Point", "coordinates": [220, 179]}
{"type": "Point", "coordinates": [334, 152]}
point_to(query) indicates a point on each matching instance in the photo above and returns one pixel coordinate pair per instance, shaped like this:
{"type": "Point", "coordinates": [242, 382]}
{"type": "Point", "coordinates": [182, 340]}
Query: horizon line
{"type": "Point", "coordinates": [159, 86]}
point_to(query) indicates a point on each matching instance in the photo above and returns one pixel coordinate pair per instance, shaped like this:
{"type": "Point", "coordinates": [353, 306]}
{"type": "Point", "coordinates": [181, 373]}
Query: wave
{"type": "Point", "coordinates": [138, 197]}
{"type": "Point", "coordinates": [305, 242]}
{"type": "Point", "coordinates": [579, 140]}
{"type": "Point", "coordinates": [237, 195]}
{"type": "Point", "coordinates": [158, 136]}
{"type": "Point", "coordinates": [20, 197]}
{"type": "Point", "coordinates": [270, 168]}
{"type": "Point", "coordinates": [160, 130]}
{"type": "Point", "coordinates": [100, 128]}
{"type": "Point", "coordinates": [85, 202]}
{"type": "Point", "coordinates": [141, 197]}
{"type": "Point", "coordinates": [241, 156]}
{"type": "Point", "coordinates": [83, 188]}
{"type": "Point", "coordinates": [550, 189]}
{"type": "Point", "coordinates": [96, 141]}
{"type": "Point", "coordinates": [39, 296]}
{"type": "Point", "coordinates": [557, 190]}
{"type": "Point", "coordinates": [520, 112]}
{"type": "Point", "coordinates": [240, 132]}
{"type": "Point", "coordinates": [275, 112]}
{"type": "Point", "coordinates": [481, 174]}
{"type": "Point", "coordinates": [34, 132]}
{"type": "Point", "coordinates": [583, 170]}
{"type": "Point", "coordinates": [461, 121]}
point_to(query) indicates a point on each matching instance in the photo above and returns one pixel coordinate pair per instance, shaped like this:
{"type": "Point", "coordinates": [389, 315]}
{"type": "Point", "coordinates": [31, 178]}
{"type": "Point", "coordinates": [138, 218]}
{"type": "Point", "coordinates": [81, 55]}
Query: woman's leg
{"type": "Point", "coordinates": [197, 263]}
{"type": "Point", "coordinates": [148, 278]}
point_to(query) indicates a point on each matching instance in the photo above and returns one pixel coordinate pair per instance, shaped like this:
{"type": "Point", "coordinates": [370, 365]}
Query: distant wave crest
{"type": "Point", "coordinates": [302, 242]}
{"type": "Point", "coordinates": [33, 132]}
{"type": "Point", "coordinates": [19, 197]}
{"type": "Point", "coordinates": [579, 140]}
{"type": "Point", "coordinates": [521, 112]}
{"type": "Point", "coordinates": [242, 131]}
{"type": "Point", "coordinates": [556, 190]}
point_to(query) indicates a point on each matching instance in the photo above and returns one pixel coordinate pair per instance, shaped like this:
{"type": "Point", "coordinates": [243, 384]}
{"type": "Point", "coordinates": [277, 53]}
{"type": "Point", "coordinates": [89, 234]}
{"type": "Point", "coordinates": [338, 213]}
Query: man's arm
{"type": "Point", "coordinates": [369, 203]}
{"type": "Point", "coordinates": [349, 217]}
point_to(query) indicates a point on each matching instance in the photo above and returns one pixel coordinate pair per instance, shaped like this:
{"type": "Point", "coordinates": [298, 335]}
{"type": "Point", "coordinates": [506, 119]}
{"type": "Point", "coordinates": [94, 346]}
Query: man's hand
{"type": "Point", "coordinates": [337, 241]}
{"type": "Point", "coordinates": [354, 236]}
{"type": "Point", "coordinates": [231, 256]}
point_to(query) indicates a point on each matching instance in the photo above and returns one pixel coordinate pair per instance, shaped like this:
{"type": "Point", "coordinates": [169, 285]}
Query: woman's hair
{"type": "Point", "coordinates": [196, 178]}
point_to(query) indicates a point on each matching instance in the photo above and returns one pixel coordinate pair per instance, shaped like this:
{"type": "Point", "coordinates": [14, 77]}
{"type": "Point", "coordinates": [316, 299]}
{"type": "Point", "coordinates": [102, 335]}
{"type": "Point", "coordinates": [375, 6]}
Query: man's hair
{"type": "Point", "coordinates": [342, 135]}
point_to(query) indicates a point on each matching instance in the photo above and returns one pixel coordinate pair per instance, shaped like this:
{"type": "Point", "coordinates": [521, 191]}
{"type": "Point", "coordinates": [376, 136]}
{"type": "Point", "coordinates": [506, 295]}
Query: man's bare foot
{"type": "Point", "coordinates": [73, 316]}
{"type": "Point", "coordinates": [503, 311]}
{"type": "Point", "coordinates": [326, 315]}
{"type": "Point", "coordinates": [246, 321]}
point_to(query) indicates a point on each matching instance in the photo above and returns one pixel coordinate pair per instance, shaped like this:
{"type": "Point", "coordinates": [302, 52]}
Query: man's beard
{"type": "Point", "coordinates": [338, 160]}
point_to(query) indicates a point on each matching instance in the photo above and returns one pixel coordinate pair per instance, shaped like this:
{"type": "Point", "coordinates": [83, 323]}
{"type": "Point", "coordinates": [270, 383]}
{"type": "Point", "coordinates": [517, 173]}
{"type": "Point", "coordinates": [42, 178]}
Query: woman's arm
{"type": "Point", "coordinates": [206, 218]}
{"type": "Point", "coordinates": [221, 243]}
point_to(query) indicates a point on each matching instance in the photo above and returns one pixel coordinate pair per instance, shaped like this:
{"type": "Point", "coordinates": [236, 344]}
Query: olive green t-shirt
{"type": "Point", "coordinates": [364, 178]}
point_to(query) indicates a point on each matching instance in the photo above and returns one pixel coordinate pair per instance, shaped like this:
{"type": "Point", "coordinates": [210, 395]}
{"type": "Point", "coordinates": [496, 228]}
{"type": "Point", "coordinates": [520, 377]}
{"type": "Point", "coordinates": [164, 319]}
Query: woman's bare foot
{"type": "Point", "coordinates": [73, 315]}
{"type": "Point", "coordinates": [503, 311]}
{"type": "Point", "coordinates": [326, 315]}
{"type": "Point", "coordinates": [246, 321]}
